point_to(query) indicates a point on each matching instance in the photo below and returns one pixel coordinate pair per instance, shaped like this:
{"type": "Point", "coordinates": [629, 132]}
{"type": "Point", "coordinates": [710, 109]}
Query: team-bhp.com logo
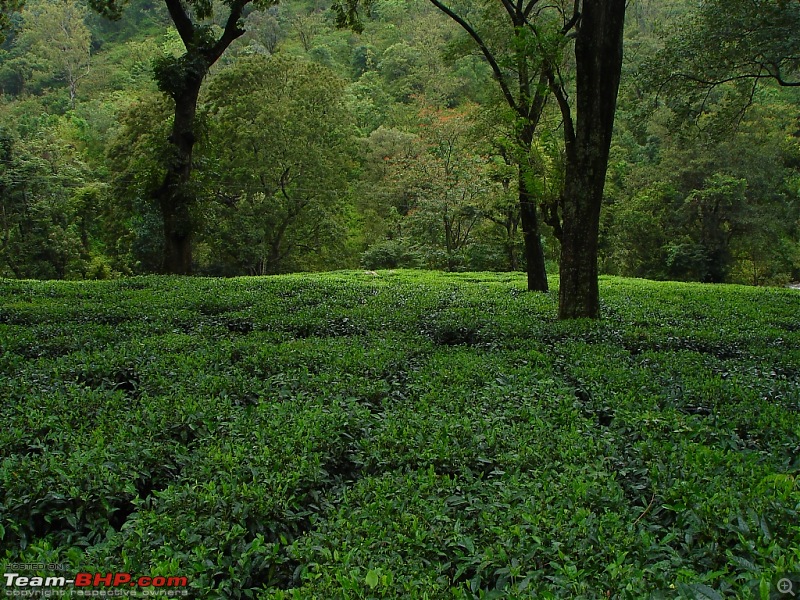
{"type": "Point", "coordinates": [95, 581]}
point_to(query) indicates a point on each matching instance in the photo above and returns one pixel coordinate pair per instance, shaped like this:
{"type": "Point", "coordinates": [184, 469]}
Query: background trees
{"type": "Point", "coordinates": [537, 36]}
{"type": "Point", "coordinates": [445, 189]}
{"type": "Point", "coordinates": [280, 148]}
{"type": "Point", "coordinates": [57, 33]}
{"type": "Point", "coordinates": [7, 8]}
{"type": "Point", "coordinates": [699, 118]}
{"type": "Point", "coordinates": [722, 42]}
{"type": "Point", "coordinates": [46, 205]}
{"type": "Point", "coordinates": [702, 180]}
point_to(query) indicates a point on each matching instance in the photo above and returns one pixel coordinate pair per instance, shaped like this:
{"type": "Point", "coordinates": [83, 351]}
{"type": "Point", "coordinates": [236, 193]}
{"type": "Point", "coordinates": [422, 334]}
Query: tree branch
{"type": "Point", "coordinates": [774, 70]}
{"type": "Point", "coordinates": [231, 32]}
{"type": "Point", "coordinates": [498, 73]}
{"type": "Point", "coordinates": [576, 16]}
{"type": "Point", "coordinates": [182, 22]}
{"type": "Point", "coordinates": [566, 112]}
{"type": "Point", "coordinates": [539, 99]}
{"type": "Point", "coordinates": [717, 82]}
{"type": "Point", "coordinates": [284, 178]}
{"type": "Point", "coordinates": [529, 8]}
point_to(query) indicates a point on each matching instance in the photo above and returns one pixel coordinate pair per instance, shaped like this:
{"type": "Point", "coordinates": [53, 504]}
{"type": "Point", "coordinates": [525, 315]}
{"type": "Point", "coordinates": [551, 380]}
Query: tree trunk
{"type": "Point", "coordinates": [578, 294]}
{"type": "Point", "coordinates": [534, 255]}
{"type": "Point", "coordinates": [174, 196]}
{"type": "Point", "coordinates": [598, 59]}
{"type": "Point", "coordinates": [511, 251]}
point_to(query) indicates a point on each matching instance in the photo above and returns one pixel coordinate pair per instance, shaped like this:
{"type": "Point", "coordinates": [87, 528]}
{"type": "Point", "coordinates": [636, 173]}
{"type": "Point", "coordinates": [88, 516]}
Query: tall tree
{"type": "Point", "coordinates": [180, 78]}
{"type": "Point", "coordinates": [597, 27]}
{"type": "Point", "coordinates": [57, 32]}
{"type": "Point", "coordinates": [598, 67]}
{"type": "Point", "coordinates": [520, 74]}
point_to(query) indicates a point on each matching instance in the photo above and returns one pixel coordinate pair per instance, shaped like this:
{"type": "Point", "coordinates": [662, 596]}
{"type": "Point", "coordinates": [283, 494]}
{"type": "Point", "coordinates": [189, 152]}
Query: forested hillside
{"type": "Point", "coordinates": [322, 148]}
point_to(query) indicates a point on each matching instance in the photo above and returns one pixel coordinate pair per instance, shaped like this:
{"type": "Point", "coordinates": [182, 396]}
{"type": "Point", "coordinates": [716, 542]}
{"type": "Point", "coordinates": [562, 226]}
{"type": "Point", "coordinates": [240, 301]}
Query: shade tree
{"type": "Point", "coordinates": [180, 78]}
{"type": "Point", "coordinates": [538, 35]}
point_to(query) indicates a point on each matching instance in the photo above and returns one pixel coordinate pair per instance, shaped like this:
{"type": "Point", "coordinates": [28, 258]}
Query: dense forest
{"type": "Point", "coordinates": [385, 145]}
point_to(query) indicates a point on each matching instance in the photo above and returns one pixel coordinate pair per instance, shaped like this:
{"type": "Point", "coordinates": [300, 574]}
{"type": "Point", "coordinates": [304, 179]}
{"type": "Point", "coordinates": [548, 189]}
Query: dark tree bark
{"type": "Point", "coordinates": [598, 56]}
{"type": "Point", "coordinates": [174, 196]}
{"type": "Point", "coordinates": [534, 255]}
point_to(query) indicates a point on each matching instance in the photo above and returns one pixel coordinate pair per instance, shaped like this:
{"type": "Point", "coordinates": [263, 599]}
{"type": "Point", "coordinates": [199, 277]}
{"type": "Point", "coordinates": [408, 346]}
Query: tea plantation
{"type": "Point", "coordinates": [402, 435]}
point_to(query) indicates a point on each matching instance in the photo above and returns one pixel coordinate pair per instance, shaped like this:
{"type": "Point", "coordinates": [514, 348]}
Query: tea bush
{"type": "Point", "coordinates": [404, 434]}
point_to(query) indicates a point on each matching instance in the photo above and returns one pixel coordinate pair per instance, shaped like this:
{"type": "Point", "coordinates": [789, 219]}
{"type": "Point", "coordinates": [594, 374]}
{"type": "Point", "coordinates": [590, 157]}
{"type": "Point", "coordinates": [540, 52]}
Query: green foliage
{"type": "Point", "coordinates": [402, 434]}
{"type": "Point", "coordinates": [439, 190]}
{"type": "Point", "coordinates": [172, 72]}
{"type": "Point", "coordinates": [280, 147]}
{"type": "Point", "coordinates": [57, 32]}
{"type": "Point", "coordinates": [727, 41]}
{"type": "Point", "coordinates": [137, 152]}
{"type": "Point", "coordinates": [674, 148]}
{"type": "Point", "coordinates": [391, 254]}
{"type": "Point", "coordinates": [7, 7]}
{"type": "Point", "coordinates": [709, 200]}
{"type": "Point", "coordinates": [47, 207]}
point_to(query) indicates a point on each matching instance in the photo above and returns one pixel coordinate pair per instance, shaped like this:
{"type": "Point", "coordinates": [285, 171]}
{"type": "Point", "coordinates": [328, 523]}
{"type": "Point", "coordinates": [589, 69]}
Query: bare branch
{"type": "Point", "coordinates": [576, 16]}
{"type": "Point", "coordinates": [717, 82]}
{"type": "Point", "coordinates": [566, 111]}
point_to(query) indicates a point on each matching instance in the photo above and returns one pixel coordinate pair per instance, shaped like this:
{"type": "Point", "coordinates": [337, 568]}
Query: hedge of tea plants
{"type": "Point", "coordinates": [402, 434]}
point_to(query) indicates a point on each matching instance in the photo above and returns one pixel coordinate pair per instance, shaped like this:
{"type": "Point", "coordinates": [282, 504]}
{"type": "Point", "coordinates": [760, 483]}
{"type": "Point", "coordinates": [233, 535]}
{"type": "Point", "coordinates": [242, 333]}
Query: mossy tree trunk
{"type": "Point", "coordinates": [181, 79]}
